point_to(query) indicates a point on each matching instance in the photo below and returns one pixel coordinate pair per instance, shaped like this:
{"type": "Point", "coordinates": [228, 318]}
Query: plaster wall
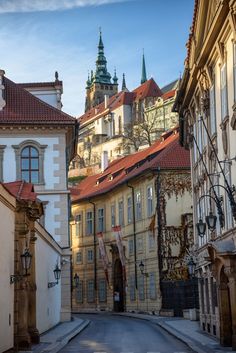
{"type": "Point", "coordinates": [183, 204]}
{"type": "Point", "coordinates": [7, 217]}
{"type": "Point", "coordinates": [48, 300]}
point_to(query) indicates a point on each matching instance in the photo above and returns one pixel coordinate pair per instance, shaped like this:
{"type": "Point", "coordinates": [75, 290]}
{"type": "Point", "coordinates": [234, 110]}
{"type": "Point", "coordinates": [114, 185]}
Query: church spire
{"type": "Point", "coordinates": [100, 44]}
{"type": "Point", "coordinates": [144, 74]}
{"type": "Point", "coordinates": [123, 84]}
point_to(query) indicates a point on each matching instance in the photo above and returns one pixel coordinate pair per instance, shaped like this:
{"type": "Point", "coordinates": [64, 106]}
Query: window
{"type": "Point", "coordinates": [223, 92]}
{"type": "Point", "coordinates": [79, 257]}
{"type": "Point", "coordinates": [141, 287]}
{"type": "Point", "coordinates": [113, 127]}
{"type": "Point", "coordinates": [89, 222]}
{"type": "Point", "coordinates": [234, 58]}
{"type": "Point", "coordinates": [152, 285]}
{"type": "Point", "coordinates": [90, 291]}
{"type": "Point", "coordinates": [102, 290]}
{"type": "Point", "coordinates": [140, 243]}
{"type": "Point", "coordinates": [90, 255]}
{"type": "Point", "coordinates": [138, 205]}
{"type": "Point", "coordinates": [151, 241]}
{"type": "Point", "coordinates": [132, 288]}
{"type": "Point", "coordinates": [119, 125]}
{"type": "Point", "coordinates": [212, 109]}
{"type": "Point", "coordinates": [78, 225]}
{"type": "Point", "coordinates": [113, 215]}
{"type": "Point", "coordinates": [121, 212]}
{"type": "Point", "coordinates": [149, 201]}
{"type": "Point", "coordinates": [79, 292]}
{"type": "Point", "coordinates": [2, 147]}
{"type": "Point", "coordinates": [131, 246]}
{"type": "Point", "coordinates": [29, 161]}
{"type": "Point", "coordinates": [101, 220]}
{"type": "Point", "coordinates": [30, 164]}
{"type": "Point", "coordinates": [129, 210]}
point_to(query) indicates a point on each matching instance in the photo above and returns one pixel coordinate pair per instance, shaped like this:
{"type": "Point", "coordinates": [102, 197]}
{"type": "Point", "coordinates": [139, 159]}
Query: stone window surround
{"type": "Point", "coordinates": [40, 148]}
{"type": "Point", "coordinates": [2, 147]}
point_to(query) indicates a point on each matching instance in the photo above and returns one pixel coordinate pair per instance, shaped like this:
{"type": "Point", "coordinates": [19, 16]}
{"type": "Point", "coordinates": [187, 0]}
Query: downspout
{"type": "Point", "coordinates": [94, 250]}
{"type": "Point", "coordinates": [159, 223]}
{"type": "Point", "coordinates": [134, 231]}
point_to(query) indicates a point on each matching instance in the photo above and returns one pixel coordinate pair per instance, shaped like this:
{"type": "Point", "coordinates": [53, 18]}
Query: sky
{"type": "Point", "coordinates": [39, 37]}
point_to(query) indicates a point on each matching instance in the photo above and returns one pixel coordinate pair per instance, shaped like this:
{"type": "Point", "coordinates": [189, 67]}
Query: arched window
{"type": "Point", "coordinates": [30, 164]}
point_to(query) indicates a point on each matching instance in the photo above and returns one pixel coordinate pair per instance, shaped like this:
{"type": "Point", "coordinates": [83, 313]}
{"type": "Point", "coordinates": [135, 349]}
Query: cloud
{"type": "Point", "coordinates": [8, 6]}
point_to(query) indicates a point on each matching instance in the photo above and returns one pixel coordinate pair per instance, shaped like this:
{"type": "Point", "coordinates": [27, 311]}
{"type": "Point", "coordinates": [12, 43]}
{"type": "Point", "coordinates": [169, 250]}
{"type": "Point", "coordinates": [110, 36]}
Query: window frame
{"type": "Point", "coordinates": [88, 220]}
{"type": "Point", "coordinates": [101, 219]}
{"type": "Point", "coordinates": [138, 205]}
{"type": "Point", "coordinates": [150, 201]}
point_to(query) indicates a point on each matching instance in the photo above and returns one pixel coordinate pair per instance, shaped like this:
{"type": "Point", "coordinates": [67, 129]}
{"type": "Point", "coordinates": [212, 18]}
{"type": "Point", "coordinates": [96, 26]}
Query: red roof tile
{"type": "Point", "coordinates": [24, 108]}
{"type": "Point", "coordinates": [166, 153]}
{"type": "Point", "coordinates": [21, 190]}
{"type": "Point", "coordinates": [168, 94]}
{"type": "Point", "coordinates": [147, 89]}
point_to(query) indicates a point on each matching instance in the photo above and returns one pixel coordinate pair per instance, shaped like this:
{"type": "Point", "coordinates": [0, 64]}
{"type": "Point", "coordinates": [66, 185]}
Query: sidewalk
{"type": "Point", "coordinates": [186, 331]}
{"type": "Point", "coordinates": [56, 338]}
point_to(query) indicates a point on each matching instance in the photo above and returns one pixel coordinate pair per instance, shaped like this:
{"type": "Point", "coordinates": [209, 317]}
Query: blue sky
{"type": "Point", "coordinates": [38, 37]}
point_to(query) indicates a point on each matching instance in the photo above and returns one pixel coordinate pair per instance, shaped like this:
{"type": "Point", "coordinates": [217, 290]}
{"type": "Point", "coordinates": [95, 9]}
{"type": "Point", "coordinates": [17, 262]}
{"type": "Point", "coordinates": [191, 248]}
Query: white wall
{"type": "Point", "coordinates": [6, 269]}
{"type": "Point", "coordinates": [48, 300]}
{"type": "Point", "coordinates": [176, 207]}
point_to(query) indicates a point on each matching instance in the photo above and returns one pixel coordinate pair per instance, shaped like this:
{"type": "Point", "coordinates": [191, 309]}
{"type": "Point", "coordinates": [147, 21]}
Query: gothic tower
{"type": "Point", "coordinates": [99, 83]}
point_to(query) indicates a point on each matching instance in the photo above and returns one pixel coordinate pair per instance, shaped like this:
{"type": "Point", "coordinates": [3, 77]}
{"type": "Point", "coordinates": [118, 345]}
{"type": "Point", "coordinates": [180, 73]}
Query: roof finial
{"type": "Point", "coordinates": [123, 83]}
{"type": "Point", "coordinates": [100, 44]}
{"type": "Point", "coordinates": [144, 74]}
{"type": "Point", "coordinates": [56, 76]}
{"type": "Point", "coordinates": [115, 78]}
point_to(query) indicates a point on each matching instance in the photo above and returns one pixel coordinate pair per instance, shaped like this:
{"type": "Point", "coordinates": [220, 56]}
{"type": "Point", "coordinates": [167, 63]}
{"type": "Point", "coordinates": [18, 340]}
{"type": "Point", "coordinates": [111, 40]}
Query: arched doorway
{"type": "Point", "coordinates": [225, 310]}
{"type": "Point", "coordinates": [118, 285]}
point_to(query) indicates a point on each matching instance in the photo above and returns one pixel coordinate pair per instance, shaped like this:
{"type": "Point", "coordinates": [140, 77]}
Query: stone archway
{"type": "Point", "coordinates": [118, 285]}
{"type": "Point", "coordinates": [225, 310]}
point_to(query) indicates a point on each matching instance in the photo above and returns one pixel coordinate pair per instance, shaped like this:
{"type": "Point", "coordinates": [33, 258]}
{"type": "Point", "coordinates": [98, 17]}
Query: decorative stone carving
{"type": "Point", "coordinates": [223, 126]}
{"type": "Point", "coordinates": [233, 119]}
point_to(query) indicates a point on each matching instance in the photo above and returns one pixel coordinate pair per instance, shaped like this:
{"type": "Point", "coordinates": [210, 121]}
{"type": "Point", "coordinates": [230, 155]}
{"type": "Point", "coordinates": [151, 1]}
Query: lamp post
{"type": "Point", "coordinates": [191, 270]}
{"type": "Point", "coordinates": [146, 275]}
{"type": "Point", "coordinates": [57, 275]}
{"type": "Point", "coordinates": [26, 259]}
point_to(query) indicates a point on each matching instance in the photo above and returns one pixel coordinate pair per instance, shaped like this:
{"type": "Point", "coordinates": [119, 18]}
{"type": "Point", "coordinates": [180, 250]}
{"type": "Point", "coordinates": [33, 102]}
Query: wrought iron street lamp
{"type": "Point", "coordinates": [191, 267]}
{"type": "Point", "coordinates": [57, 275]}
{"type": "Point", "coordinates": [201, 227]}
{"type": "Point", "coordinates": [26, 259]}
{"type": "Point", "coordinates": [211, 221]}
{"type": "Point", "coordinates": [141, 267]}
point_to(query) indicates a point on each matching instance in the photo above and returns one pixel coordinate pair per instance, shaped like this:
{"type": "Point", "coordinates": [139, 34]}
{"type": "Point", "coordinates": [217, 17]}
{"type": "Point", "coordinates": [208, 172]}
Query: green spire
{"type": "Point", "coordinates": [88, 83]}
{"type": "Point", "coordinates": [115, 78]}
{"type": "Point", "coordinates": [144, 74]}
{"type": "Point", "coordinates": [100, 44]}
{"type": "Point", "coordinates": [123, 84]}
{"type": "Point", "coordinates": [101, 74]}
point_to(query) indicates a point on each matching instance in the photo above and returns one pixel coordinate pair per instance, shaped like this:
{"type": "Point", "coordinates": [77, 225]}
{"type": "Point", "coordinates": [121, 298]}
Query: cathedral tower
{"type": "Point", "coordinates": [99, 83]}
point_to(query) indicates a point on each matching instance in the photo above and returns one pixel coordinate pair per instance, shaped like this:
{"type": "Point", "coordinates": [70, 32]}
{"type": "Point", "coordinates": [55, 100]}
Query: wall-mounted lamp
{"type": "Point", "coordinates": [25, 259]}
{"type": "Point", "coordinates": [57, 275]}
{"type": "Point", "coordinates": [191, 267]}
{"type": "Point", "coordinates": [76, 280]}
{"type": "Point", "coordinates": [141, 267]}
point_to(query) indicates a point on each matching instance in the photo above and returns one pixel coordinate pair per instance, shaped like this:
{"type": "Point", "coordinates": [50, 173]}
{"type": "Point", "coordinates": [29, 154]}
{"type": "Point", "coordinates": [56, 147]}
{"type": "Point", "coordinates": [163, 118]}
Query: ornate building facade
{"type": "Point", "coordinates": [206, 104]}
{"type": "Point", "coordinates": [145, 220]}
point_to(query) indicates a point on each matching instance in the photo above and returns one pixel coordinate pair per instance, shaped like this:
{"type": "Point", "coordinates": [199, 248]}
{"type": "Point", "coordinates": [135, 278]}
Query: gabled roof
{"type": "Point", "coordinates": [165, 153]}
{"type": "Point", "coordinates": [40, 84]}
{"type": "Point", "coordinates": [24, 108]}
{"type": "Point", "coordinates": [147, 89]}
{"type": "Point", "coordinates": [171, 86]}
{"type": "Point", "coordinates": [21, 190]}
{"type": "Point", "coordinates": [168, 95]}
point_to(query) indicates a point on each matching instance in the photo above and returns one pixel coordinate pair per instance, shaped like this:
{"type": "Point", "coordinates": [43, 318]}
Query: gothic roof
{"type": "Point", "coordinates": [24, 108]}
{"type": "Point", "coordinates": [147, 89]}
{"type": "Point", "coordinates": [171, 86]}
{"type": "Point", "coordinates": [165, 153]}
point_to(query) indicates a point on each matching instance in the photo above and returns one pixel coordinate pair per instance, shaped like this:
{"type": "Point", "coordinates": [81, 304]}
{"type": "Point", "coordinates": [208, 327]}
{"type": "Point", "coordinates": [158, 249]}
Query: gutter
{"type": "Point", "coordinates": [94, 250]}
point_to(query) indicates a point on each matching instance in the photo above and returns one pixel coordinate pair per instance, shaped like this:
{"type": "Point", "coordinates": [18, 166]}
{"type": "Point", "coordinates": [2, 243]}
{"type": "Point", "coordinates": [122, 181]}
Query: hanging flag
{"type": "Point", "coordinates": [152, 225]}
{"type": "Point", "coordinates": [103, 252]}
{"type": "Point", "coordinates": [118, 237]}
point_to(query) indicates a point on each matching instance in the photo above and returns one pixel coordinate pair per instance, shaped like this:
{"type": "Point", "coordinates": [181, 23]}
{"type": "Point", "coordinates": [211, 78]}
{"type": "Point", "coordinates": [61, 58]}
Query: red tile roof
{"type": "Point", "coordinates": [165, 153]}
{"type": "Point", "coordinates": [168, 95]}
{"type": "Point", "coordinates": [147, 89]}
{"type": "Point", "coordinates": [21, 190]}
{"type": "Point", "coordinates": [24, 108]}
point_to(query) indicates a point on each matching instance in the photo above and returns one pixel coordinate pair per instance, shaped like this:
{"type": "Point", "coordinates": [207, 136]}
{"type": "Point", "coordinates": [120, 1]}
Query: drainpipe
{"type": "Point", "coordinates": [134, 231]}
{"type": "Point", "coordinates": [159, 222]}
{"type": "Point", "coordinates": [94, 250]}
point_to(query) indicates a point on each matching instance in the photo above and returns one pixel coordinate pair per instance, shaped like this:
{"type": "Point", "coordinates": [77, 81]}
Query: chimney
{"type": "Point", "coordinates": [104, 160]}
{"type": "Point", "coordinates": [106, 100]}
{"type": "Point", "coordinates": [2, 100]}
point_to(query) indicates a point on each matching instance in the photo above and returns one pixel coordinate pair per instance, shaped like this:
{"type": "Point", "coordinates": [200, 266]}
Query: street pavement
{"type": "Point", "coordinates": [108, 333]}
